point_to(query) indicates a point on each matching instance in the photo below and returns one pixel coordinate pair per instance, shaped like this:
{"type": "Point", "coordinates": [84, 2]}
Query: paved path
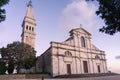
{"type": "Point", "coordinates": [117, 77]}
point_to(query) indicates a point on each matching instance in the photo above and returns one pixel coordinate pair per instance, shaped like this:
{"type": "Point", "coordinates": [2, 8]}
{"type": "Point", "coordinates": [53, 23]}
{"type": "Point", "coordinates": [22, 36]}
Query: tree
{"type": "Point", "coordinates": [17, 53]}
{"type": "Point", "coordinates": [109, 11]}
{"type": "Point", "coordinates": [3, 11]}
{"type": "Point", "coordinates": [11, 65]}
{"type": "Point", "coordinates": [2, 67]}
{"type": "Point", "coordinates": [30, 62]}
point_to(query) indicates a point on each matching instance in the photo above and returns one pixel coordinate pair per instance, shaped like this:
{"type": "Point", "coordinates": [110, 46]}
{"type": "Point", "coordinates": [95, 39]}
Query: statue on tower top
{"type": "Point", "coordinates": [30, 3]}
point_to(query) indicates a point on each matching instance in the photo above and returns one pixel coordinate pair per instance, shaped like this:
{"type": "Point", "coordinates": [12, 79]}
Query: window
{"type": "Point", "coordinates": [27, 27]}
{"type": "Point", "coordinates": [67, 53]}
{"type": "Point", "coordinates": [83, 42]}
{"type": "Point", "coordinates": [97, 57]}
{"type": "Point", "coordinates": [30, 28]}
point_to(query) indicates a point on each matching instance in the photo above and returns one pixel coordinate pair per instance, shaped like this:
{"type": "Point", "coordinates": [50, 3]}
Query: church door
{"type": "Point", "coordinates": [85, 66]}
{"type": "Point", "coordinates": [68, 68]}
{"type": "Point", "coordinates": [98, 68]}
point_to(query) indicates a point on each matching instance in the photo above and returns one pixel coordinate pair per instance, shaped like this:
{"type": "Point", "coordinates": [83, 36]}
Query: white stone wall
{"type": "Point", "coordinates": [59, 60]}
{"type": "Point", "coordinates": [76, 61]}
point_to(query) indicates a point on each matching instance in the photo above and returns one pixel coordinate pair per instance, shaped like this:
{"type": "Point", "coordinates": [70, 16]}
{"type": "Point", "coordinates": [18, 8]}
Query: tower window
{"type": "Point", "coordinates": [27, 27]}
{"type": "Point", "coordinates": [83, 42]}
{"type": "Point", "coordinates": [30, 28]}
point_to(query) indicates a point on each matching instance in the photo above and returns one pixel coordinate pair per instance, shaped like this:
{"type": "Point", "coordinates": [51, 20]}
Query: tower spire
{"type": "Point", "coordinates": [29, 13]}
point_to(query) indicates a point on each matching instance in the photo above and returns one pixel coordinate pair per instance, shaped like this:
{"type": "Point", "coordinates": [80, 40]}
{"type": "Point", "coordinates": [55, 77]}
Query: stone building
{"type": "Point", "coordinates": [28, 27]}
{"type": "Point", "coordinates": [76, 55]}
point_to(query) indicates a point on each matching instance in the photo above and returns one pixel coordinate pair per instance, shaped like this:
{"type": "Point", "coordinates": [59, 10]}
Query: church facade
{"type": "Point", "coordinates": [76, 55]}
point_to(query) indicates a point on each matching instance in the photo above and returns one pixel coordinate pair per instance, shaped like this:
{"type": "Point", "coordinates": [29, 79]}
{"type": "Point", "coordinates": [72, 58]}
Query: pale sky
{"type": "Point", "coordinates": [54, 19]}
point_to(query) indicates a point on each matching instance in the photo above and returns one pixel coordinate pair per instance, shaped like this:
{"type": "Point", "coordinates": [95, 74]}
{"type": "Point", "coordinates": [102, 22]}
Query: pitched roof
{"type": "Point", "coordinates": [78, 29]}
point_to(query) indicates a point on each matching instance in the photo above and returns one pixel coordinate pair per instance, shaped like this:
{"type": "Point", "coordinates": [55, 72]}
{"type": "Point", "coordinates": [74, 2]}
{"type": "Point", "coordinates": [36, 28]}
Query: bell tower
{"type": "Point", "coordinates": [28, 27]}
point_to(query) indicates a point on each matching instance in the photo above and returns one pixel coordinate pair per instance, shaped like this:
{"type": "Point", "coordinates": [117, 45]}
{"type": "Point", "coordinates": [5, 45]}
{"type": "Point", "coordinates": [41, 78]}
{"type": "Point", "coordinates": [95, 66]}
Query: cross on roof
{"type": "Point", "coordinates": [80, 25]}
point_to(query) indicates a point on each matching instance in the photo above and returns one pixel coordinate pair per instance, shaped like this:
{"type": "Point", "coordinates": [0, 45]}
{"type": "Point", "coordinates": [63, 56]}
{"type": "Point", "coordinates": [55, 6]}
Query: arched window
{"type": "Point", "coordinates": [30, 28]}
{"type": "Point", "coordinates": [27, 27]}
{"type": "Point", "coordinates": [97, 57]}
{"type": "Point", "coordinates": [83, 42]}
{"type": "Point", "coordinates": [67, 53]}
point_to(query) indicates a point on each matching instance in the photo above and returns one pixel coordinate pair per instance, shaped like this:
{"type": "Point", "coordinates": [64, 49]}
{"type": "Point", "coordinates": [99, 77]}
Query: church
{"type": "Point", "coordinates": [76, 55]}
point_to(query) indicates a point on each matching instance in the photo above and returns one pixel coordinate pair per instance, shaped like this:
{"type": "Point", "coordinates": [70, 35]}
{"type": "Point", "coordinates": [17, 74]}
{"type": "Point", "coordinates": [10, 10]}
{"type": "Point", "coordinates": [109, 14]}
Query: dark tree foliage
{"type": "Point", "coordinates": [3, 11]}
{"type": "Point", "coordinates": [109, 11]}
{"type": "Point", "coordinates": [16, 54]}
{"type": "Point", "coordinates": [2, 67]}
{"type": "Point", "coordinates": [30, 62]}
{"type": "Point", "coordinates": [10, 67]}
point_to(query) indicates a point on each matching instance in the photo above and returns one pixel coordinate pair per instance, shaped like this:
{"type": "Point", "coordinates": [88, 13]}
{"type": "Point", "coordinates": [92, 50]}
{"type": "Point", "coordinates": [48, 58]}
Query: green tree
{"type": "Point", "coordinates": [30, 62]}
{"type": "Point", "coordinates": [2, 67]}
{"type": "Point", "coordinates": [11, 65]}
{"type": "Point", "coordinates": [3, 11]}
{"type": "Point", "coordinates": [109, 11]}
{"type": "Point", "coordinates": [17, 53]}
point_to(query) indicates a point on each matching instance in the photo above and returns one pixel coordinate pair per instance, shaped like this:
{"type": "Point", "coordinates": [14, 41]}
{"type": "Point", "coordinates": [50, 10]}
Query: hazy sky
{"type": "Point", "coordinates": [54, 19]}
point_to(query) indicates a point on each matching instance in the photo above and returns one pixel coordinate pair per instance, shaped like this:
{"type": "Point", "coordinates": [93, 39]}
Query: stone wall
{"type": "Point", "coordinates": [23, 76]}
{"type": "Point", "coordinates": [10, 77]}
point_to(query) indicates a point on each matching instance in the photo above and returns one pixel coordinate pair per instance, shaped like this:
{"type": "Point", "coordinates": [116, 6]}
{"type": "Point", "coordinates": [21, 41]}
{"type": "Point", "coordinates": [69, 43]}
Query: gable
{"type": "Point", "coordinates": [75, 34]}
{"type": "Point", "coordinates": [81, 31]}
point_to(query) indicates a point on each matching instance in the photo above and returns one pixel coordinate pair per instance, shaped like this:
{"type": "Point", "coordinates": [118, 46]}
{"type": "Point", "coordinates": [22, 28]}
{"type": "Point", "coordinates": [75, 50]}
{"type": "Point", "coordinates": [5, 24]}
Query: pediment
{"type": "Point", "coordinates": [80, 30]}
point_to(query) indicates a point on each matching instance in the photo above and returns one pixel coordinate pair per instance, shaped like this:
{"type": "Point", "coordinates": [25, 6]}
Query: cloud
{"type": "Point", "coordinates": [117, 57]}
{"type": "Point", "coordinates": [79, 12]}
